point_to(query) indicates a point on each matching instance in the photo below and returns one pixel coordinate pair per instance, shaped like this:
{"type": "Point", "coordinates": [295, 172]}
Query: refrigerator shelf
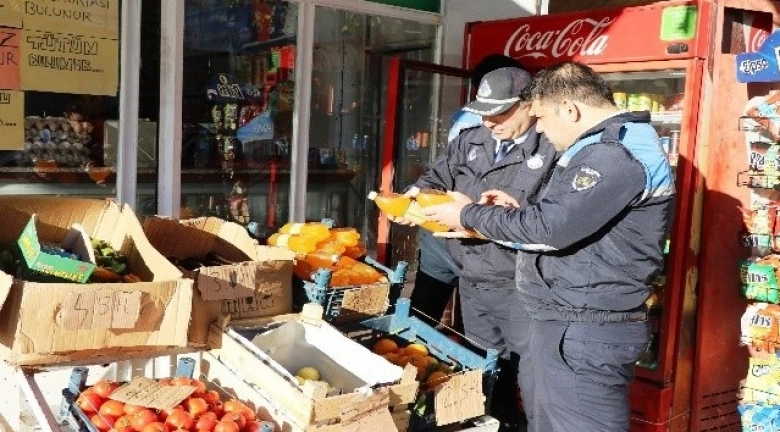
{"type": "Point", "coordinates": [671, 117]}
{"type": "Point", "coordinates": [757, 179]}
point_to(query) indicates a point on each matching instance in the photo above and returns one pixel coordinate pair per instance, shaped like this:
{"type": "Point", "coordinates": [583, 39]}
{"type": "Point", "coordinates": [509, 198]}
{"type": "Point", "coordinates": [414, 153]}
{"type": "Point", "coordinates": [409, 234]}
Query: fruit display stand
{"type": "Point", "coordinates": [369, 389]}
{"type": "Point", "coordinates": [450, 397]}
{"type": "Point", "coordinates": [352, 302]}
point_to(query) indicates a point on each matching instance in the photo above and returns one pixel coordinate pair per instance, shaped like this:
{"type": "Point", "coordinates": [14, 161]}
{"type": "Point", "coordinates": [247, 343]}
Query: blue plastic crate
{"type": "Point", "coordinates": [401, 326]}
{"type": "Point", "coordinates": [71, 414]}
{"type": "Point", "coordinates": [332, 299]}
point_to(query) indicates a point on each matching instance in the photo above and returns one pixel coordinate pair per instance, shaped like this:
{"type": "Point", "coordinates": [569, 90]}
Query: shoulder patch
{"type": "Point", "coordinates": [585, 179]}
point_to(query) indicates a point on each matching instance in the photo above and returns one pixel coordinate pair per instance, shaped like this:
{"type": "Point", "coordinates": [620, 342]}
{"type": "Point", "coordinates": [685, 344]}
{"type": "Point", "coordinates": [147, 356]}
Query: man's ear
{"type": "Point", "coordinates": [570, 111]}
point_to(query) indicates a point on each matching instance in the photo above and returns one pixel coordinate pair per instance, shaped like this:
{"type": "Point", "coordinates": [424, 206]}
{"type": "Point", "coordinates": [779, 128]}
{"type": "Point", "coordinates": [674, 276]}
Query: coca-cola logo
{"type": "Point", "coordinates": [583, 37]}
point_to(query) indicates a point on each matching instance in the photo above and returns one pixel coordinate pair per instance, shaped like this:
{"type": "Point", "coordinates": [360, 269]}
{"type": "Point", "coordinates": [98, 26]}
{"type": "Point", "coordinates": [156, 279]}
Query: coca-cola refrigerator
{"type": "Point", "coordinates": [675, 59]}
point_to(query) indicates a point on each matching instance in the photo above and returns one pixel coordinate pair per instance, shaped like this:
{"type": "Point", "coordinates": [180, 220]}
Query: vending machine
{"type": "Point", "coordinates": [675, 59]}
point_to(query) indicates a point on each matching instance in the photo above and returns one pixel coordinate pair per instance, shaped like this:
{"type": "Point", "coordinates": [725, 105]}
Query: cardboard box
{"type": "Point", "coordinates": [372, 388]}
{"type": "Point", "coordinates": [38, 261]}
{"type": "Point", "coordinates": [259, 283]}
{"type": "Point", "coordinates": [45, 322]}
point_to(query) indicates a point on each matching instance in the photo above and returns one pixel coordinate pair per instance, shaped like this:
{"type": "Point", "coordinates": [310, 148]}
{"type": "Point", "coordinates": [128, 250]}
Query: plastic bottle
{"type": "Point", "coordinates": [303, 270]}
{"type": "Point", "coordinates": [431, 197]}
{"type": "Point", "coordinates": [364, 273]}
{"type": "Point", "coordinates": [316, 230]}
{"type": "Point", "coordinates": [296, 243]}
{"type": "Point", "coordinates": [321, 259]}
{"type": "Point", "coordinates": [345, 236]}
{"type": "Point", "coordinates": [355, 252]}
{"type": "Point", "coordinates": [342, 278]}
{"type": "Point", "coordinates": [331, 246]}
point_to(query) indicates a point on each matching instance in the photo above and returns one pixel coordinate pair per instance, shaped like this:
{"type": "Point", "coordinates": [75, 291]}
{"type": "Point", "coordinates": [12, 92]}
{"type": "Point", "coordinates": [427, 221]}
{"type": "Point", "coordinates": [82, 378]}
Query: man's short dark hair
{"type": "Point", "coordinates": [571, 80]}
{"type": "Point", "coordinates": [490, 63]}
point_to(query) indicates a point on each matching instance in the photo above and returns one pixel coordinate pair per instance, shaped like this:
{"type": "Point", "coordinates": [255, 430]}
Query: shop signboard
{"type": "Point", "coordinates": [11, 13]}
{"type": "Point", "coordinates": [95, 18]}
{"type": "Point", "coordinates": [595, 36]}
{"type": "Point", "coordinates": [69, 63]}
{"type": "Point", "coordinates": [762, 65]}
{"type": "Point", "coordinates": [9, 58]}
{"type": "Point", "coordinates": [11, 119]}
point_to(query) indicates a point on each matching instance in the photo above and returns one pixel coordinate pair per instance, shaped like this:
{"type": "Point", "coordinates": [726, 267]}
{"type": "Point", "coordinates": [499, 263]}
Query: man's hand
{"type": "Point", "coordinates": [497, 197]}
{"type": "Point", "coordinates": [449, 213]}
{"type": "Point", "coordinates": [400, 220]}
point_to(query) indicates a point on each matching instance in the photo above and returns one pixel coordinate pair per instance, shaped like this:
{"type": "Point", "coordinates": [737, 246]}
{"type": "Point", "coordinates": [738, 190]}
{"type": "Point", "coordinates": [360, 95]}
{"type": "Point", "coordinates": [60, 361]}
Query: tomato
{"type": "Point", "coordinates": [218, 409]}
{"type": "Point", "coordinates": [196, 406]}
{"type": "Point", "coordinates": [252, 426]}
{"type": "Point", "coordinates": [102, 422]}
{"type": "Point", "coordinates": [164, 381]}
{"type": "Point", "coordinates": [156, 427]}
{"type": "Point", "coordinates": [180, 419]}
{"type": "Point", "coordinates": [131, 409]}
{"type": "Point", "coordinates": [235, 418]}
{"type": "Point", "coordinates": [248, 413]}
{"type": "Point", "coordinates": [233, 405]}
{"type": "Point", "coordinates": [163, 414]}
{"type": "Point", "coordinates": [104, 388]}
{"type": "Point", "coordinates": [112, 408]}
{"type": "Point", "coordinates": [226, 426]}
{"type": "Point", "coordinates": [123, 424]}
{"type": "Point", "coordinates": [206, 422]}
{"type": "Point", "coordinates": [89, 402]}
{"type": "Point", "coordinates": [211, 397]}
{"type": "Point", "coordinates": [200, 386]}
{"type": "Point", "coordinates": [181, 381]}
{"type": "Point", "coordinates": [142, 418]}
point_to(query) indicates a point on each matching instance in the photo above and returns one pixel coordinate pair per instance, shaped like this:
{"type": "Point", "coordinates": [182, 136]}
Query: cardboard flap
{"type": "Point", "coordinates": [369, 415]}
{"type": "Point", "coordinates": [460, 397]}
{"type": "Point", "coordinates": [79, 242]}
{"type": "Point", "coordinates": [149, 393]}
{"type": "Point", "coordinates": [55, 215]}
{"type": "Point", "coordinates": [6, 281]}
{"type": "Point", "coordinates": [228, 281]}
{"type": "Point", "coordinates": [176, 239]}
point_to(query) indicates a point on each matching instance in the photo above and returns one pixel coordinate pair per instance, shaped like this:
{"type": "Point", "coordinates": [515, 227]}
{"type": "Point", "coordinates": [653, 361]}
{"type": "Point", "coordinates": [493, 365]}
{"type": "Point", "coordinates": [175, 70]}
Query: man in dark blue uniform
{"type": "Point", "coordinates": [591, 246]}
{"type": "Point", "coordinates": [505, 153]}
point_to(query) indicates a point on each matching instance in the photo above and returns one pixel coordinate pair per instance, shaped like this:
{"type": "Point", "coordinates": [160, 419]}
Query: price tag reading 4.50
{"type": "Point", "coordinates": [100, 310]}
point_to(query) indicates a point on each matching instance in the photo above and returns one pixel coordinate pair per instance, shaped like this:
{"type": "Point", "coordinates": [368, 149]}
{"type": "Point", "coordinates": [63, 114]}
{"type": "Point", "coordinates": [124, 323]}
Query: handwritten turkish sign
{"type": "Point", "coordinates": [11, 120]}
{"type": "Point", "coordinates": [11, 13]}
{"type": "Point", "coordinates": [101, 309]}
{"type": "Point", "coordinates": [96, 18]}
{"type": "Point", "coordinates": [65, 63]}
{"type": "Point", "coordinates": [228, 281]}
{"type": "Point", "coordinates": [9, 58]}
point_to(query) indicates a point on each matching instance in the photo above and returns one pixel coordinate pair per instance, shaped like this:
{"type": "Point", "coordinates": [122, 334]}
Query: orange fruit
{"type": "Point", "coordinates": [416, 349]}
{"type": "Point", "coordinates": [384, 346]}
{"type": "Point", "coordinates": [436, 378]}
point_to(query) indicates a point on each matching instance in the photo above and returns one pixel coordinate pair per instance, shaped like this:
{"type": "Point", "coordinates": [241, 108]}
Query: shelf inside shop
{"type": "Point", "coordinates": [748, 239]}
{"type": "Point", "coordinates": [757, 179]}
{"type": "Point", "coordinates": [671, 117]}
{"type": "Point", "coordinates": [270, 43]}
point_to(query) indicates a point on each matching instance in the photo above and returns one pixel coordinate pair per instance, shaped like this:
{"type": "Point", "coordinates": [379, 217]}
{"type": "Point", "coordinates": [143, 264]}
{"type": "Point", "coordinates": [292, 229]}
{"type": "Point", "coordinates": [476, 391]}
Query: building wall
{"type": "Point", "coordinates": [458, 12]}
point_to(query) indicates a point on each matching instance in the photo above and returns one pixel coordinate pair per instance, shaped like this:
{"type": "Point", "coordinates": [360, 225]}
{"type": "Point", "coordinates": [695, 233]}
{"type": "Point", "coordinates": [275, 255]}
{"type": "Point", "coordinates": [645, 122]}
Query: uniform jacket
{"type": "Point", "coordinates": [596, 235]}
{"type": "Point", "coordinates": [467, 167]}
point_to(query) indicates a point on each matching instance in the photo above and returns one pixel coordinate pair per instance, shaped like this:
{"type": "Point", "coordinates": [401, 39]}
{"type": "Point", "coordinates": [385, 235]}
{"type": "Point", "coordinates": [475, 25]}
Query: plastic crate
{"type": "Point", "coordinates": [401, 326]}
{"type": "Point", "coordinates": [351, 303]}
{"type": "Point", "coordinates": [71, 414]}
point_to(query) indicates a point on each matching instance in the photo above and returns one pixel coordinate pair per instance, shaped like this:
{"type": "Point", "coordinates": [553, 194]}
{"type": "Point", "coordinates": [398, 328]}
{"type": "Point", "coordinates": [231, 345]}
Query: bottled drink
{"type": "Point", "coordinates": [321, 259]}
{"type": "Point", "coordinates": [363, 273]}
{"type": "Point", "coordinates": [345, 236]}
{"type": "Point", "coordinates": [430, 197]}
{"type": "Point", "coordinates": [342, 278]}
{"type": "Point", "coordinates": [316, 230]}
{"type": "Point", "coordinates": [399, 205]}
{"type": "Point", "coordinates": [331, 246]}
{"type": "Point", "coordinates": [303, 270]}
{"type": "Point", "coordinates": [297, 243]}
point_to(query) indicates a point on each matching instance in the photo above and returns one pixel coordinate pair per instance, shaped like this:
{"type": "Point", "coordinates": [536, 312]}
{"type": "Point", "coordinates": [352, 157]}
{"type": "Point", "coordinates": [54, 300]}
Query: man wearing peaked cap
{"type": "Point", "coordinates": [506, 153]}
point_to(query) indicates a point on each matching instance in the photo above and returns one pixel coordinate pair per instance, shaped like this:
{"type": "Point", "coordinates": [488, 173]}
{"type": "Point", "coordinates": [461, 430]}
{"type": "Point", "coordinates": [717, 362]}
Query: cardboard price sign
{"type": "Point", "coordinates": [368, 299]}
{"type": "Point", "coordinates": [228, 281]}
{"type": "Point", "coordinates": [149, 393]}
{"type": "Point", "coordinates": [460, 397]}
{"type": "Point", "coordinates": [103, 309]}
{"type": "Point", "coordinates": [11, 119]}
{"type": "Point", "coordinates": [11, 13]}
{"type": "Point", "coordinates": [9, 59]}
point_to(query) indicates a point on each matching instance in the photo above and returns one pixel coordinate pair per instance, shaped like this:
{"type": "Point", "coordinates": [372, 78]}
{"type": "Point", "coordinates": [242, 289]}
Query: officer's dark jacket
{"type": "Point", "coordinates": [597, 232]}
{"type": "Point", "coordinates": [467, 167]}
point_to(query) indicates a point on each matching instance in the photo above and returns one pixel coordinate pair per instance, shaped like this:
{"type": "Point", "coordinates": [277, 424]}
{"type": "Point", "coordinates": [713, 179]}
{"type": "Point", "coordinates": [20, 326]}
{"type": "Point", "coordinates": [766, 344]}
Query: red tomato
{"type": "Point", "coordinates": [89, 402]}
{"type": "Point", "coordinates": [248, 413]}
{"type": "Point", "coordinates": [102, 422]}
{"type": "Point", "coordinates": [163, 414]}
{"type": "Point", "coordinates": [181, 381]}
{"type": "Point", "coordinates": [235, 418]}
{"type": "Point", "coordinates": [211, 397]}
{"type": "Point", "coordinates": [218, 409]}
{"type": "Point", "coordinates": [104, 388]}
{"type": "Point", "coordinates": [226, 426]}
{"type": "Point", "coordinates": [233, 405]}
{"type": "Point", "coordinates": [180, 419]}
{"type": "Point", "coordinates": [123, 424]}
{"type": "Point", "coordinates": [206, 422]}
{"type": "Point", "coordinates": [196, 406]}
{"type": "Point", "coordinates": [143, 418]}
{"type": "Point", "coordinates": [113, 408]}
{"type": "Point", "coordinates": [155, 427]}
{"type": "Point", "coordinates": [131, 409]}
{"type": "Point", "coordinates": [252, 426]}
{"type": "Point", "coordinates": [200, 386]}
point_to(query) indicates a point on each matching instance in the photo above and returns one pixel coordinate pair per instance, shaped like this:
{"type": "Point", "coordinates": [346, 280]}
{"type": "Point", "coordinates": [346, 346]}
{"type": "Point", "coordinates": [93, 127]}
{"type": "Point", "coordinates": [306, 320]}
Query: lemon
{"type": "Point", "coordinates": [308, 373]}
{"type": "Point", "coordinates": [299, 379]}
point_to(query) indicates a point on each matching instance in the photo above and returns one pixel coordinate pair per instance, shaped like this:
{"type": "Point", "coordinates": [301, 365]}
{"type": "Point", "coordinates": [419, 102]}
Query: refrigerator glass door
{"type": "Point", "coordinates": [662, 93]}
